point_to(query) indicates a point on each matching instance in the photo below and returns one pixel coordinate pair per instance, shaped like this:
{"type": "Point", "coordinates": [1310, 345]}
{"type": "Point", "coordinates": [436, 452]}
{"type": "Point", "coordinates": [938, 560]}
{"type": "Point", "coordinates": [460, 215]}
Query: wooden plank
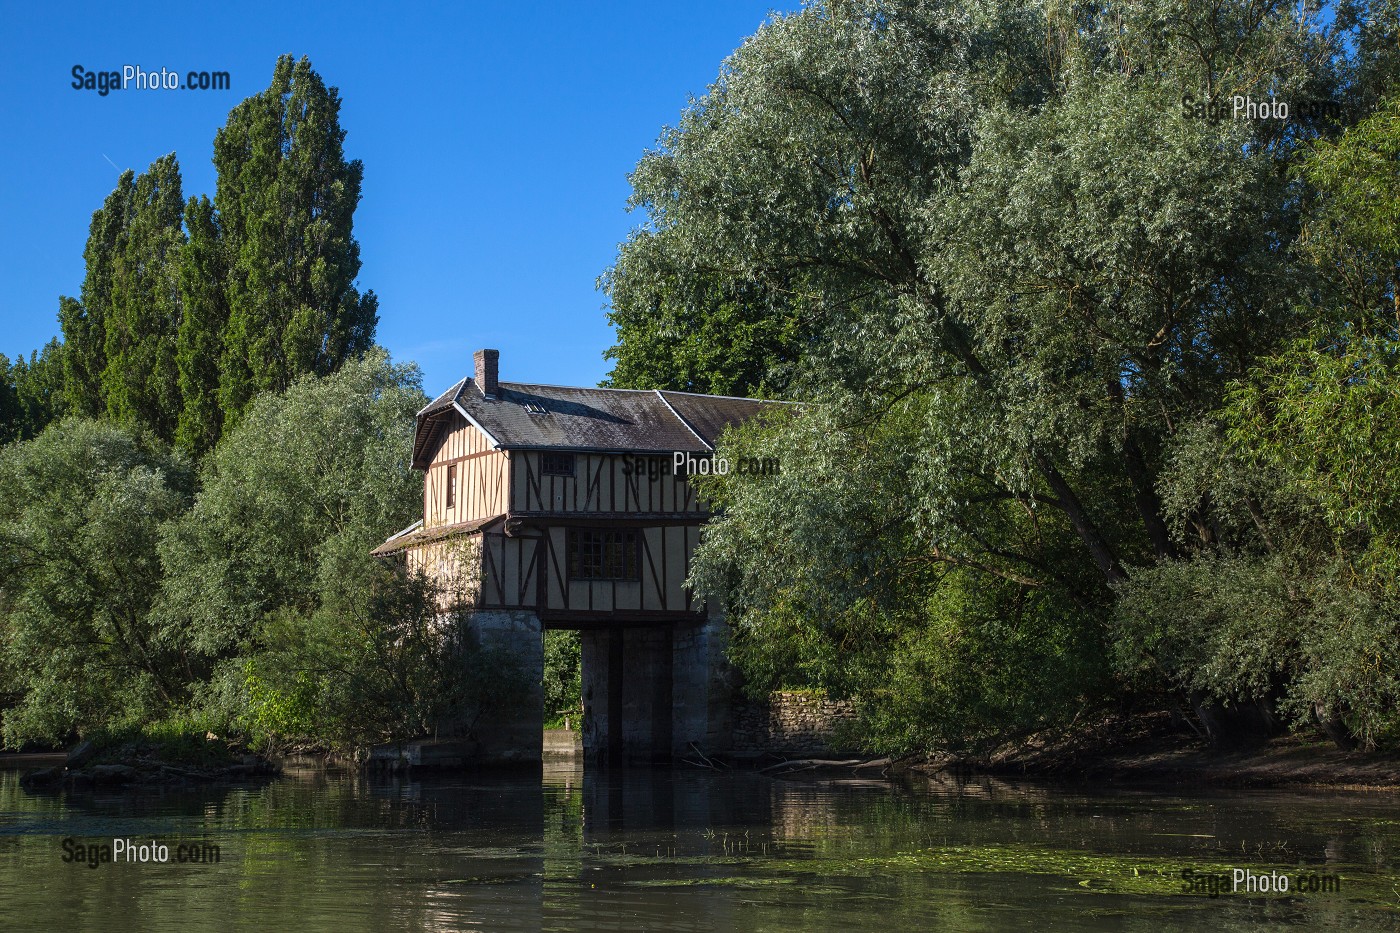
{"type": "Point", "coordinates": [686, 567]}
{"type": "Point", "coordinates": [664, 602]}
{"type": "Point", "coordinates": [581, 618]}
{"type": "Point", "coordinates": [627, 596]}
{"type": "Point", "coordinates": [605, 519]}
{"type": "Point", "coordinates": [554, 549]}
{"type": "Point", "coordinates": [490, 564]}
{"type": "Point", "coordinates": [529, 577]}
{"type": "Point", "coordinates": [651, 566]}
{"type": "Point", "coordinates": [532, 481]}
{"type": "Point", "coordinates": [595, 484]}
{"type": "Point", "coordinates": [675, 567]}
{"type": "Point", "coordinates": [510, 567]}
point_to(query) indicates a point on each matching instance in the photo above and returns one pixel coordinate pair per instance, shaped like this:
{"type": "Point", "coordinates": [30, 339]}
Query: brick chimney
{"type": "Point", "coordinates": [487, 371]}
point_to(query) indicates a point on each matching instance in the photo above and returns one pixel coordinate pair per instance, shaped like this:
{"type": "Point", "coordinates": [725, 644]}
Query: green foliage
{"type": "Point", "coordinates": [1327, 419]}
{"type": "Point", "coordinates": [190, 309]}
{"type": "Point", "coordinates": [987, 661]}
{"type": "Point", "coordinates": [133, 610]}
{"type": "Point", "coordinates": [176, 737]}
{"type": "Point", "coordinates": [1033, 233]}
{"type": "Point", "coordinates": [1348, 669]}
{"type": "Point", "coordinates": [119, 340]}
{"type": "Point", "coordinates": [199, 343]}
{"type": "Point", "coordinates": [942, 642]}
{"type": "Point", "coordinates": [81, 506]}
{"type": "Point", "coordinates": [12, 420]}
{"type": "Point", "coordinates": [563, 676]}
{"type": "Point", "coordinates": [1354, 228]}
{"type": "Point", "coordinates": [1017, 282]}
{"type": "Point", "coordinates": [286, 201]}
{"type": "Point", "coordinates": [1238, 629]}
{"type": "Point", "coordinates": [140, 300]}
{"type": "Point", "coordinates": [1226, 626]}
{"type": "Point", "coordinates": [724, 340]}
{"type": "Point", "coordinates": [234, 329]}
{"type": "Point", "coordinates": [308, 483]}
{"type": "Point", "coordinates": [378, 662]}
{"type": "Point", "coordinates": [1291, 489]}
{"type": "Point", "coordinates": [38, 384]}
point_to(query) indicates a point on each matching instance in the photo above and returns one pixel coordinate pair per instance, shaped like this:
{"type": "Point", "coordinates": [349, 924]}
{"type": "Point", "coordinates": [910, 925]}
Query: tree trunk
{"type": "Point", "coordinates": [1334, 727]}
{"type": "Point", "coordinates": [1078, 516]}
{"type": "Point", "coordinates": [1145, 498]}
{"type": "Point", "coordinates": [1149, 507]}
{"type": "Point", "coordinates": [1083, 525]}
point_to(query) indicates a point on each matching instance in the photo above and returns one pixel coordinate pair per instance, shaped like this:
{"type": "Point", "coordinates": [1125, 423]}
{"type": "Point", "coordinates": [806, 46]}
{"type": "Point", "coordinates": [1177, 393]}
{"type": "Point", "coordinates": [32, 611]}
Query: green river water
{"type": "Point", "coordinates": [673, 849]}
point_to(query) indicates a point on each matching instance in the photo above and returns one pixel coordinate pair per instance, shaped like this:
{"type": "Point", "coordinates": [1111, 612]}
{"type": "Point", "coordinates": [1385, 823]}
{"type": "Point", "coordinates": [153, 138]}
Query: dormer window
{"type": "Point", "coordinates": [557, 464]}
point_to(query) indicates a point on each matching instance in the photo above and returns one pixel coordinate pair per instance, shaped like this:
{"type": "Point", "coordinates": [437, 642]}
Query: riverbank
{"type": "Point", "coordinates": [184, 762]}
{"type": "Point", "coordinates": [1150, 749]}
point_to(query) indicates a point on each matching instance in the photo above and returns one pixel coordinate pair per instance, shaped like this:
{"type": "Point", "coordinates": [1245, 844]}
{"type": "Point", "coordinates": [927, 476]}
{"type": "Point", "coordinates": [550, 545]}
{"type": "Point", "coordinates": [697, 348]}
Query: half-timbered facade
{"type": "Point", "coordinates": [552, 506]}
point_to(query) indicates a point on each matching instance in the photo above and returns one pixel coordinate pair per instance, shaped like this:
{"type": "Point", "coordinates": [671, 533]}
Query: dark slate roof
{"type": "Point", "coordinates": [527, 416]}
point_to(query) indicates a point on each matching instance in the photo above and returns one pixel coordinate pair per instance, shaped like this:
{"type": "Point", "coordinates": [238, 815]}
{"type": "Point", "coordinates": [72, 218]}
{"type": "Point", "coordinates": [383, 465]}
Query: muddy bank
{"type": "Point", "coordinates": [1150, 749]}
{"type": "Point", "coordinates": [88, 767]}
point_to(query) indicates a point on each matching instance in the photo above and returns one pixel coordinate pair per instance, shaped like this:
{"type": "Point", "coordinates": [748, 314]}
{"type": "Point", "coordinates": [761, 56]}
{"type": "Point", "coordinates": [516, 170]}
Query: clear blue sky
{"type": "Point", "coordinates": [496, 141]}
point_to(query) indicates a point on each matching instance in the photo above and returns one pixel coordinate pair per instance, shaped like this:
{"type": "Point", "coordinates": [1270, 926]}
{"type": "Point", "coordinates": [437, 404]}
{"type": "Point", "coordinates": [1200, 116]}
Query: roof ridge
{"type": "Point", "coordinates": [454, 390]}
{"type": "Point", "coordinates": [550, 385]}
{"type": "Point", "coordinates": [732, 398]}
{"type": "Point", "coordinates": [688, 426]}
{"type": "Point", "coordinates": [457, 387]}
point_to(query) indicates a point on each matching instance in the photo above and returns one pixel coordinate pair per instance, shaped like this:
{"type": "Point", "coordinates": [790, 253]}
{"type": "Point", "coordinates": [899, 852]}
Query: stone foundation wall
{"type": "Point", "coordinates": [512, 736]}
{"type": "Point", "coordinates": [792, 724]}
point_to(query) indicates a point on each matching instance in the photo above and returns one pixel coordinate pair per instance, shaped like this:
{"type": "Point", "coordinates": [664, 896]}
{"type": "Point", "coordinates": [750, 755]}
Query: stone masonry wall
{"type": "Point", "coordinates": [792, 724]}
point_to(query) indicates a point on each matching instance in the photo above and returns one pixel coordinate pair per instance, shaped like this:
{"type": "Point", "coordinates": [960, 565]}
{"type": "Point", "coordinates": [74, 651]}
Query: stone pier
{"type": "Point", "coordinates": [650, 691]}
{"type": "Point", "coordinates": [513, 734]}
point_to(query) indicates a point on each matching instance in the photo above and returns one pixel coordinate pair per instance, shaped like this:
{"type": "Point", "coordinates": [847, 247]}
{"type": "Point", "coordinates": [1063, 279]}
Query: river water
{"type": "Point", "coordinates": [672, 849]}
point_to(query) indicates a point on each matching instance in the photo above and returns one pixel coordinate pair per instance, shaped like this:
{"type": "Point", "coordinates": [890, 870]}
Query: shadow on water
{"type": "Point", "coordinates": [682, 849]}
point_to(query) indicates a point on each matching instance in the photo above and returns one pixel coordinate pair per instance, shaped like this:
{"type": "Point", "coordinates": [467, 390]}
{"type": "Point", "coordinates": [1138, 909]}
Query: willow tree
{"type": "Point", "coordinates": [81, 507]}
{"type": "Point", "coordinates": [1300, 468]}
{"type": "Point", "coordinates": [1016, 249]}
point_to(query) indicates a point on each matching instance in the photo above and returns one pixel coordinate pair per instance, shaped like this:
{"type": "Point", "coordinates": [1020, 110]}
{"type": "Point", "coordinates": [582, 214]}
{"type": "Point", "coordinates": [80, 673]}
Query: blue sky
{"type": "Point", "coordinates": [496, 142]}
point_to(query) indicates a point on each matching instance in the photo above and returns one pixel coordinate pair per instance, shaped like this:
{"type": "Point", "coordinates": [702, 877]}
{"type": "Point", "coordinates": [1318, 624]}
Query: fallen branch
{"type": "Point", "coordinates": [709, 762]}
{"type": "Point", "coordinates": [809, 763]}
{"type": "Point", "coordinates": [699, 764]}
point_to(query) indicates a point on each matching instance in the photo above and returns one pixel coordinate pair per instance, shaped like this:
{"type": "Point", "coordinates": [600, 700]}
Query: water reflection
{"type": "Point", "coordinates": [657, 848]}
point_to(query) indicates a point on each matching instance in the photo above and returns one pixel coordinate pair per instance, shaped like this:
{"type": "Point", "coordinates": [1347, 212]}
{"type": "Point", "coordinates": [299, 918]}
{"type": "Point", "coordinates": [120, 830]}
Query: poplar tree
{"type": "Point", "coordinates": [84, 321]}
{"type": "Point", "coordinates": [286, 200]}
{"type": "Point", "coordinates": [31, 392]}
{"type": "Point", "coordinates": [199, 344]}
{"type": "Point", "coordinates": [10, 412]}
{"type": "Point", "coordinates": [140, 380]}
{"type": "Point", "coordinates": [119, 340]}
